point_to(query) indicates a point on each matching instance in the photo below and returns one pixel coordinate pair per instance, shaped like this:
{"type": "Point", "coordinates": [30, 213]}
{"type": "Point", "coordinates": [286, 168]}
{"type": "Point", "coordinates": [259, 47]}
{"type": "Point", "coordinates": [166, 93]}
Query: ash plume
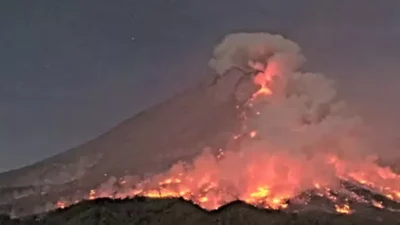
{"type": "Point", "coordinates": [240, 49]}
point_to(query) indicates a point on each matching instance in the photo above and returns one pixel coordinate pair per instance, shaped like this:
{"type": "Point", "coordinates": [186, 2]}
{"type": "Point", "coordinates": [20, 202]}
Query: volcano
{"type": "Point", "coordinates": [147, 143]}
{"type": "Point", "coordinates": [259, 130]}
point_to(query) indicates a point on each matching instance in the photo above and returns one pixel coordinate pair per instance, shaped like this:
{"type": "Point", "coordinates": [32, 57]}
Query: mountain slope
{"type": "Point", "coordinates": [177, 211]}
{"type": "Point", "coordinates": [256, 132]}
{"type": "Point", "coordinates": [146, 143]}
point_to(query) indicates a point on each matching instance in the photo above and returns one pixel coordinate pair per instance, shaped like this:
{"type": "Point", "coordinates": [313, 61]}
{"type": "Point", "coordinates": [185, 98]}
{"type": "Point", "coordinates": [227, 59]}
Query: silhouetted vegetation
{"type": "Point", "coordinates": [141, 211]}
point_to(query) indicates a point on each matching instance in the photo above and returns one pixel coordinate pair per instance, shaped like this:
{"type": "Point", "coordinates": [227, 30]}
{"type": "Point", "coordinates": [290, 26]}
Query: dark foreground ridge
{"type": "Point", "coordinates": [141, 210]}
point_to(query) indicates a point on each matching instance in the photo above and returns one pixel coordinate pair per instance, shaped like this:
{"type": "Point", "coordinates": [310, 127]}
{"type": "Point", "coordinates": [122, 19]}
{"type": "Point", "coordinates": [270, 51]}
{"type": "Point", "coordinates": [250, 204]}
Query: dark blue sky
{"type": "Point", "coordinates": [70, 70]}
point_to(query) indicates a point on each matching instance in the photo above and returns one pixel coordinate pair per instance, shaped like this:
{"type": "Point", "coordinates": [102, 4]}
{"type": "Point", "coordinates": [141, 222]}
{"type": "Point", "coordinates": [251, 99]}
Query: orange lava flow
{"type": "Point", "coordinates": [263, 79]}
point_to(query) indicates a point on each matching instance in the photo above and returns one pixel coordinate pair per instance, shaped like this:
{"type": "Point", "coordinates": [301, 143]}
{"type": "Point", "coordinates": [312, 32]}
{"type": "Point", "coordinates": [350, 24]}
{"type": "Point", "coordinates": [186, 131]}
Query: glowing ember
{"type": "Point", "coordinates": [377, 204]}
{"type": "Point", "coordinates": [61, 204]}
{"type": "Point", "coordinates": [203, 199]}
{"type": "Point", "coordinates": [92, 194]}
{"type": "Point", "coordinates": [344, 209]}
{"type": "Point", "coordinates": [262, 79]}
{"type": "Point", "coordinates": [262, 91]}
{"type": "Point", "coordinates": [253, 134]}
{"type": "Point", "coordinates": [261, 192]}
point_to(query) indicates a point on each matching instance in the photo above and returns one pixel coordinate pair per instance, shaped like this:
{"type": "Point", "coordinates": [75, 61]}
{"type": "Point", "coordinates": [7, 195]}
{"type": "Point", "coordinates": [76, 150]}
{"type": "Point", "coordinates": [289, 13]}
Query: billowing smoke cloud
{"type": "Point", "coordinates": [243, 49]}
{"type": "Point", "coordinates": [302, 113]}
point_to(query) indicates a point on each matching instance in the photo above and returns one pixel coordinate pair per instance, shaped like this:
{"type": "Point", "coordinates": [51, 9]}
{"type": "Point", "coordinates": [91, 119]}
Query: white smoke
{"type": "Point", "coordinates": [303, 110]}
{"type": "Point", "coordinates": [238, 50]}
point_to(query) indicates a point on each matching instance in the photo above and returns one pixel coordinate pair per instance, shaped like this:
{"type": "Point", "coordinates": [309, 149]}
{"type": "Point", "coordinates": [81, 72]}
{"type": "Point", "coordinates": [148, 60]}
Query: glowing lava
{"type": "Point", "coordinates": [263, 78]}
{"type": "Point", "coordinates": [344, 209]}
{"type": "Point", "coordinates": [61, 204]}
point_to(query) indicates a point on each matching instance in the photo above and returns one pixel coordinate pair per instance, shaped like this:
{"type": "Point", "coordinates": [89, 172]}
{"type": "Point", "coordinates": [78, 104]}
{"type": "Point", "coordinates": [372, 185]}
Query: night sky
{"type": "Point", "coordinates": [72, 69]}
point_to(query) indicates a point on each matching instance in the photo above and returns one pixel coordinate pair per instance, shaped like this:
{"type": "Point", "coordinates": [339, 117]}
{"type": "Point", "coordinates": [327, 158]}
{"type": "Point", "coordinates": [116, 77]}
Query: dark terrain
{"type": "Point", "coordinates": [142, 210]}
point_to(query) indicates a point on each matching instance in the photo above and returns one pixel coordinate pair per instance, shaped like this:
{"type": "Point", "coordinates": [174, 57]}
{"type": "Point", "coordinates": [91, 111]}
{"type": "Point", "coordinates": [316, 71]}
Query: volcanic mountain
{"type": "Point", "coordinates": [260, 131]}
{"type": "Point", "coordinates": [149, 142]}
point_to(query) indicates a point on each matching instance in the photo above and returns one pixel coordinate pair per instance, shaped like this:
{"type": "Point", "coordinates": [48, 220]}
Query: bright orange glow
{"type": "Point", "coordinates": [92, 194]}
{"type": "Point", "coordinates": [203, 199]}
{"type": "Point", "coordinates": [377, 204]}
{"type": "Point", "coordinates": [381, 179]}
{"type": "Point", "coordinates": [253, 134]}
{"type": "Point", "coordinates": [263, 79]}
{"type": "Point", "coordinates": [343, 209]}
{"type": "Point", "coordinates": [61, 204]}
{"type": "Point", "coordinates": [261, 192]}
{"type": "Point", "coordinates": [170, 181]}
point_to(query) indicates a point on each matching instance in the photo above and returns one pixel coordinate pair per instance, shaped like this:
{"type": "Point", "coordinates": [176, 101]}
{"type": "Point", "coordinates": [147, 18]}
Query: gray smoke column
{"type": "Point", "coordinates": [303, 110]}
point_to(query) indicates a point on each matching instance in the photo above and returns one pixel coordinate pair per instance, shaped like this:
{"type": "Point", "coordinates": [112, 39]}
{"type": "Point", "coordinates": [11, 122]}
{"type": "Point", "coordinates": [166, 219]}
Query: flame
{"type": "Point", "coordinates": [203, 199]}
{"type": "Point", "coordinates": [380, 179]}
{"type": "Point", "coordinates": [170, 181]}
{"type": "Point", "coordinates": [264, 78]}
{"type": "Point", "coordinates": [61, 204]}
{"type": "Point", "coordinates": [377, 204]}
{"type": "Point", "coordinates": [343, 209]}
{"type": "Point", "coordinates": [263, 91]}
{"type": "Point", "coordinates": [92, 194]}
